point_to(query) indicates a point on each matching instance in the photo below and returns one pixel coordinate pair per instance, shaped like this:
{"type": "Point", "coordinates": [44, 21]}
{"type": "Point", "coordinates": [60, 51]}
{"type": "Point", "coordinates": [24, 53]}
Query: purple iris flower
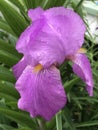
{"type": "Point", "coordinates": [54, 36]}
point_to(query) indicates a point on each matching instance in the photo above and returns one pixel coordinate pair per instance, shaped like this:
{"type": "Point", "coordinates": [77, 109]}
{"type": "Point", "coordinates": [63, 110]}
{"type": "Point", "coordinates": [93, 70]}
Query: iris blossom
{"type": "Point", "coordinates": [54, 36]}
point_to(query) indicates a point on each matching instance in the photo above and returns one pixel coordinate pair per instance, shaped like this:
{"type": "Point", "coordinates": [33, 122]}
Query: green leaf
{"type": "Point", "coordinates": [59, 2]}
{"type": "Point", "coordinates": [5, 27]}
{"type": "Point", "coordinates": [48, 4]}
{"type": "Point", "coordinates": [41, 3]}
{"type": "Point", "coordinates": [9, 90]}
{"type": "Point", "coordinates": [9, 48]}
{"type": "Point", "coordinates": [7, 97]}
{"type": "Point", "coordinates": [59, 121]}
{"type": "Point", "coordinates": [51, 124]}
{"type": "Point", "coordinates": [89, 99]}
{"type": "Point", "coordinates": [8, 58]}
{"type": "Point", "coordinates": [18, 4]}
{"type": "Point", "coordinates": [53, 3]}
{"type": "Point", "coordinates": [6, 127]}
{"type": "Point", "coordinates": [24, 128]}
{"type": "Point", "coordinates": [12, 104]}
{"type": "Point", "coordinates": [88, 123]}
{"type": "Point", "coordinates": [67, 2]}
{"type": "Point", "coordinates": [6, 75]}
{"type": "Point", "coordinates": [77, 102]}
{"type": "Point", "coordinates": [14, 19]}
{"type": "Point", "coordinates": [66, 115]}
{"type": "Point", "coordinates": [19, 117]}
{"type": "Point", "coordinates": [68, 85]}
{"type": "Point", "coordinates": [30, 4]}
{"type": "Point", "coordinates": [79, 5]}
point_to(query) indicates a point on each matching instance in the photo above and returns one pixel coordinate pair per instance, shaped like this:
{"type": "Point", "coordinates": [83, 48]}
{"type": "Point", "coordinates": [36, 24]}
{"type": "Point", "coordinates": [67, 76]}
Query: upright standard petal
{"type": "Point", "coordinates": [82, 68]}
{"type": "Point", "coordinates": [35, 14]}
{"type": "Point", "coordinates": [28, 36]}
{"type": "Point", "coordinates": [68, 26]}
{"type": "Point", "coordinates": [19, 67]}
{"type": "Point", "coordinates": [42, 93]}
{"type": "Point", "coordinates": [47, 49]}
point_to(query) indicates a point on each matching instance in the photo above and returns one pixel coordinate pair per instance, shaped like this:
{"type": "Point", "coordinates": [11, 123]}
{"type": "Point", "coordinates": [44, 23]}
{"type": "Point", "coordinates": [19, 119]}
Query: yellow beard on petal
{"type": "Point", "coordinates": [37, 68]}
{"type": "Point", "coordinates": [82, 50]}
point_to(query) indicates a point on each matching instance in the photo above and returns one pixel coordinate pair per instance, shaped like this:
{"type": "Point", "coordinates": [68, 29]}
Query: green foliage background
{"type": "Point", "coordinates": [81, 111]}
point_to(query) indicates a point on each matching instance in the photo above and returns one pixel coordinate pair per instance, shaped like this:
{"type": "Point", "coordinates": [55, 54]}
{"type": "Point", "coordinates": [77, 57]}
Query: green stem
{"type": "Point", "coordinates": [42, 124]}
{"type": "Point", "coordinates": [58, 121]}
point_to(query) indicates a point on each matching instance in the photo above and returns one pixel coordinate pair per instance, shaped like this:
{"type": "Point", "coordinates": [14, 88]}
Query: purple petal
{"type": "Point", "coordinates": [42, 93]}
{"type": "Point", "coordinates": [19, 67]}
{"type": "Point", "coordinates": [47, 50]}
{"type": "Point", "coordinates": [69, 27]}
{"type": "Point", "coordinates": [58, 33]}
{"type": "Point", "coordinates": [28, 36]}
{"type": "Point", "coordinates": [35, 14]}
{"type": "Point", "coordinates": [82, 68]}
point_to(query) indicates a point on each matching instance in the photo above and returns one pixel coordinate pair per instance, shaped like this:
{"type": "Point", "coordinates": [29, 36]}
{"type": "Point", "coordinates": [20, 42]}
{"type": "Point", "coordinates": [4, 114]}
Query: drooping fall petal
{"type": "Point", "coordinates": [19, 67]}
{"type": "Point", "coordinates": [82, 68]}
{"type": "Point", "coordinates": [41, 92]}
